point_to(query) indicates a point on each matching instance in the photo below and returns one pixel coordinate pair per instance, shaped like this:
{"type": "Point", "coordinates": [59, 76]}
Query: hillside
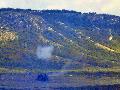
{"type": "Point", "coordinates": [82, 42]}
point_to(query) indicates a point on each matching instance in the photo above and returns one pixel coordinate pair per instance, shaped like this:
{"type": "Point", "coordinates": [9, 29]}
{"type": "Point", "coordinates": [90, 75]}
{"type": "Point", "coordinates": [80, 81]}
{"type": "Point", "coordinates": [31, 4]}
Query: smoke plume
{"type": "Point", "coordinates": [44, 52]}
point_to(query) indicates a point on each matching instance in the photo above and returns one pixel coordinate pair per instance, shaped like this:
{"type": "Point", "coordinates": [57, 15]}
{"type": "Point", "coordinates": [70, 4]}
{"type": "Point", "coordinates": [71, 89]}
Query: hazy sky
{"type": "Point", "coordinates": [99, 6]}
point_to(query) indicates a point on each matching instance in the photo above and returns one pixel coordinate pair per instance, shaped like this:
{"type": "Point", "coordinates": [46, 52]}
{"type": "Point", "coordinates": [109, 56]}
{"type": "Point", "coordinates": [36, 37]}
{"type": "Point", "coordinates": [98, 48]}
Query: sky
{"type": "Point", "coordinates": [99, 6]}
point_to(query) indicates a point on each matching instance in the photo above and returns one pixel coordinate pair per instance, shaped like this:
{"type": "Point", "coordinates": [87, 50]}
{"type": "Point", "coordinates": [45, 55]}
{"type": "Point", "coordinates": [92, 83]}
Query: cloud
{"type": "Point", "coordinates": [44, 52]}
{"type": "Point", "coordinates": [100, 6]}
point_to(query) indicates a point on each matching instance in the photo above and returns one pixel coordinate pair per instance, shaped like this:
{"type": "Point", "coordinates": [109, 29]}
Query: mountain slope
{"type": "Point", "coordinates": [75, 37]}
